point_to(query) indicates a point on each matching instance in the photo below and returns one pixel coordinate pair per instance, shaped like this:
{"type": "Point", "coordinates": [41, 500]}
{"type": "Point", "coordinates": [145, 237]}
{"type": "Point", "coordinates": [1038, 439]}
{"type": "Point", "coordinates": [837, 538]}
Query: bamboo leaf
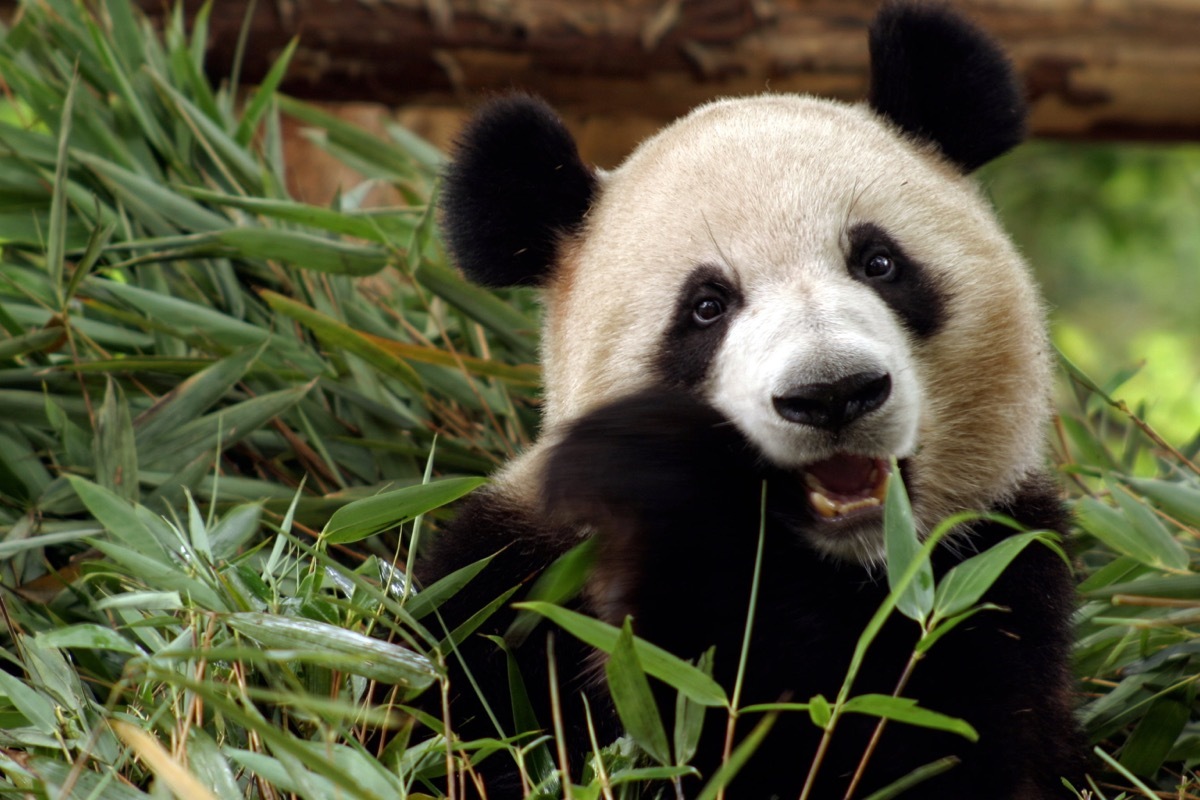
{"type": "Point", "coordinates": [220, 429]}
{"type": "Point", "coordinates": [337, 335]}
{"type": "Point", "coordinates": [917, 776]}
{"type": "Point", "coordinates": [376, 225]}
{"type": "Point", "coordinates": [264, 95]}
{"type": "Point", "coordinates": [32, 705]}
{"type": "Point", "coordinates": [195, 395]}
{"type": "Point", "coordinates": [903, 549]}
{"type": "Point", "coordinates": [368, 516]}
{"type": "Point", "coordinates": [632, 696]}
{"type": "Point", "coordinates": [119, 517]}
{"type": "Point", "coordinates": [1179, 500]}
{"type": "Point", "coordinates": [56, 245]}
{"type": "Point", "coordinates": [114, 451]}
{"type": "Point", "coordinates": [1153, 533]}
{"type": "Point", "coordinates": [741, 754]}
{"type": "Point", "coordinates": [657, 662]}
{"type": "Point", "coordinates": [965, 584]}
{"type": "Point", "coordinates": [1114, 529]}
{"type": "Point", "coordinates": [90, 637]}
{"type": "Point", "coordinates": [166, 768]}
{"type": "Point", "coordinates": [902, 709]}
{"type": "Point", "coordinates": [303, 250]}
{"type": "Point", "coordinates": [320, 643]}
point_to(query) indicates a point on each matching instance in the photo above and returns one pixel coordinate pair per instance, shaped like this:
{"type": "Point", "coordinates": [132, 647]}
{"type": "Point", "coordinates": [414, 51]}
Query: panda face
{"type": "Point", "coordinates": [839, 293]}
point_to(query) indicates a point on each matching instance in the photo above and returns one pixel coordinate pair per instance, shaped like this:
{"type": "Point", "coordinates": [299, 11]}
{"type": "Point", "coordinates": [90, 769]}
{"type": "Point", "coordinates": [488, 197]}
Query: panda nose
{"type": "Point", "coordinates": [834, 405]}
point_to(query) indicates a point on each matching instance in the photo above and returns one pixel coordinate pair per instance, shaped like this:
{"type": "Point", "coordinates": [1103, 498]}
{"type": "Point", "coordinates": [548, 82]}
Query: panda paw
{"type": "Point", "coordinates": [654, 457]}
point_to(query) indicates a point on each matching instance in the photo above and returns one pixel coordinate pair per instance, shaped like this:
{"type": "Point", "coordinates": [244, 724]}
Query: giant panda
{"type": "Point", "coordinates": [792, 292]}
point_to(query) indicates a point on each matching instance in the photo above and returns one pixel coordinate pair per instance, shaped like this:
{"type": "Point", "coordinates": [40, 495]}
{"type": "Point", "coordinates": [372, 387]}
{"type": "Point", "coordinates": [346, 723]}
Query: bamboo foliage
{"type": "Point", "coordinates": [226, 416]}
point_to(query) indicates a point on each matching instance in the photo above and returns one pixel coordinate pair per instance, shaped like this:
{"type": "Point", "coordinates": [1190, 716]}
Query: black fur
{"type": "Point", "coordinates": [912, 293]}
{"type": "Point", "coordinates": [940, 78]}
{"type": "Point", "coordinates": [515, 186]}
{"type": "Point", "coordinates": [672, 491]}
{"type": "Point", "coordinates": [691, 346]}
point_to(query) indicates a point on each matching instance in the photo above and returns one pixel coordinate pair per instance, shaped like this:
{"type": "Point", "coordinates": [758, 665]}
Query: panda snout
{"type": "Point", "coordinates": [832, 406]}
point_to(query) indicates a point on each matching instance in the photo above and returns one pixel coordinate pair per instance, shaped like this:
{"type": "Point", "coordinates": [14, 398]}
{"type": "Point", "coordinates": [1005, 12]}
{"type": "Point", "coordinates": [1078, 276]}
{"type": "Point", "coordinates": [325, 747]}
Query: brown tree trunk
{"type": "Point", "coordinates": [1113, 69]}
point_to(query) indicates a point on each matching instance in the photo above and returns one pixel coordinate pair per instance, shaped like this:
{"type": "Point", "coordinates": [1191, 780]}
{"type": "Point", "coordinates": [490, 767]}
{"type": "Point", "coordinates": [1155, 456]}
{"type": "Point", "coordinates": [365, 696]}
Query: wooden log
{"type": "Point", "coordinates": [1093, 68]}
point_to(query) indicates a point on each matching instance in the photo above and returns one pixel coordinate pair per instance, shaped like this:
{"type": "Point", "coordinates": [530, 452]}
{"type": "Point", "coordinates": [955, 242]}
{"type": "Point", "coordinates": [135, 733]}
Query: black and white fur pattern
{"type": "Point", "coordinates": [794, 290]}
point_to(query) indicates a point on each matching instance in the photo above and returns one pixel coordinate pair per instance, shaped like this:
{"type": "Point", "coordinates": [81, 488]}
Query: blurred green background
{"type": "Point", "coordinates": [1113, 232]}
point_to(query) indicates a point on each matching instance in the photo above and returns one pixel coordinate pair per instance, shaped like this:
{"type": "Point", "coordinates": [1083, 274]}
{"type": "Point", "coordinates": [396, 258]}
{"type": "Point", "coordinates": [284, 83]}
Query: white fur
{"type": "Point", "coordinates": [766, 189]}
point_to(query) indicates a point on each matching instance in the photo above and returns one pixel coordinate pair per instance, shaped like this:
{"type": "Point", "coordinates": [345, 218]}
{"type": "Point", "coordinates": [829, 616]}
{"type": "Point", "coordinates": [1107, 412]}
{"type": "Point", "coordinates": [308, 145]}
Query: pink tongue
{"type": "Point", "coordinates": [844, 473]}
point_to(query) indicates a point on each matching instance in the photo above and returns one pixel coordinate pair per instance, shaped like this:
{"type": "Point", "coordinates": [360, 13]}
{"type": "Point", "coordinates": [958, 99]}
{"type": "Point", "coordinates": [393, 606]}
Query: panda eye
{"type": "Point", "coordinates": [880, 266]}
{"type": "Point", "coordinates": [707, 310]}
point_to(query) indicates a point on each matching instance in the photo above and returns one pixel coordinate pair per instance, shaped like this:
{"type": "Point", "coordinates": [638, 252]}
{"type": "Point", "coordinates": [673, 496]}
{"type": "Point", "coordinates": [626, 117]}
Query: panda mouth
{"type": "Point", "coordinates": [846, 486]}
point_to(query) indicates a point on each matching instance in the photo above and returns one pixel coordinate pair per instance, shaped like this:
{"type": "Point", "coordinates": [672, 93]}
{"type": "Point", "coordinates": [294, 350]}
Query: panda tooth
{"type": "Point", "coordinates": [881, 488]}
{"type": "Point", "coordinates": [823, 505]}
{"type": "Point", "coordinates": [811, 482]}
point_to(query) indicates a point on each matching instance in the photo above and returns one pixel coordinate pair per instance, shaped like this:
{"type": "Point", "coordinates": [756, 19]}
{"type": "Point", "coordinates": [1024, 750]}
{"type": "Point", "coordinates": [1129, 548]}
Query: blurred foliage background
{"type": "Point", "coordinates": [1113, 232]}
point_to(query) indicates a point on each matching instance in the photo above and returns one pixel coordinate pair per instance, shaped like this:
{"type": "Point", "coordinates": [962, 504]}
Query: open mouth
{"type": "Point", "coordinates": [845, 486]}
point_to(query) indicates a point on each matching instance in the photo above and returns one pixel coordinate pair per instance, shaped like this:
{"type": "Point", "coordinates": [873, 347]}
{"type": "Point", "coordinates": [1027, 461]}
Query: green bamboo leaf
{"type": "Point", "coordinates": [33, 705]}
{"type": "Point", "coordinates": [97, 241]}
{"type": "Point", "coordinates": [965, 584]}
{"type": "Point", "coordinates": [357, 141]}
{"type": "Point", "coordinates": [56, 244]}
{"type": "Point", "coordinates": [153, 200]}
{"type": "Point", "coordinates": [689, 716]}
{"type": "Point", "coordinates": [917, 776]}
{"type": "Point", "coordinates": [148, 126]}
{"type": "Point", "coordinates": [234, 530]}
{"type": "Point", "coordinates": [369, 516]}
{"type": "Point", "coordinates": [432, 596]}
{"type": "Point", "coordinates": [195, 395]}
{"type": "Point", "coordinates": [114, 451]}
{"type": "Point", "coordinates": [162, 574]}
{"type": "Point", "coordinates": [1177, 499]}
{"type": "Point", "coordinates": [741, 754]}
{"type": "Point", "coordinates": [640, 774]}
{"type": "Point", "coordinates": [1111, 527]}
{"type": "Point", "coordinates": [509, 325]}
{"type": "Point", "coordinates": [102, 784]}
{"type": "Point", "coordinates": [1153, 533]}
{"type": "Point", "coordinates": [903, 549]}
{"type": "Point", "coordinates": [220, 144]}
{"type": "Point", "coordinates": [320, 643]}
{"type": "Point", "coordinates": [119, 517]}
{"type": "Point", "coordinates": [940, 626]}
{"type": "Point", "coordinates": [376, 225]}
{"type": "Point", "coordinates": [210, 766]}
{"type": "Point", "coordinates": [820, 711]}
{"type": "Point", "coordinates": [129, 41]}
{"type": "Point", "coordinates": [657, 662]}
{"type": "Point", "coordinates": [32, 342]}
{"type": "Point", "coordinates": [902, 709]}
{"type": "Point", "coordinates": [1155, 735]}
{"type": "Point", "coordinates": [303, 250]}
{"type": "Point", "coordinates": [633, 698]}
{"type": "Point", "coordinates": [90, 637]}
{"type": "Point", "coordinates": [519, 374]}
{"type": "Point", "coordinates": [335, 334]}
{"type": "Point", "coordinates": [203, 322]}
{"type": "Point", "coordinates": [264, 95]}
{"type": "Point", "coordinates": [221, 429]}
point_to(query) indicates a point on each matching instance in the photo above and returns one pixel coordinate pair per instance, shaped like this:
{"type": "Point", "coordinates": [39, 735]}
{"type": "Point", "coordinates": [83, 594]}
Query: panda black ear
{"type": "Point", "coordinates": [516, 184]}
{"type": "Point", "coordinates": [940, 78]}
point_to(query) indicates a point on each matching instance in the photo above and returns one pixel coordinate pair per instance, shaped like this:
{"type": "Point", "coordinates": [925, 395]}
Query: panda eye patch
{"type": "Point", "coordinates": [708, 310]}
{"type": "Point", "coordinates": [876, 259]}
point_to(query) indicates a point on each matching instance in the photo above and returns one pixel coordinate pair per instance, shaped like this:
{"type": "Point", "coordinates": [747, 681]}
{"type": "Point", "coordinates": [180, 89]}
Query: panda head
{"type": "Point", "coordinates": [825, 275]}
